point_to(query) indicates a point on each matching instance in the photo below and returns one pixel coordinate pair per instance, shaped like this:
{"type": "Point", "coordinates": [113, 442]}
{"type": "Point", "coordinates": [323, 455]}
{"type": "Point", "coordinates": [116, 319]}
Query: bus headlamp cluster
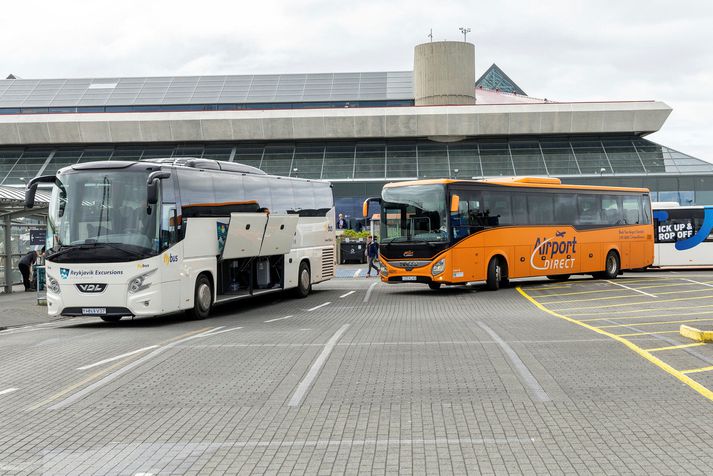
{"type": "Point", "coordinates": [52, 285]}
{"type": "Point", "coordinates": [438, 268]}
{"type": "Point", "coordinates": [139, 282]}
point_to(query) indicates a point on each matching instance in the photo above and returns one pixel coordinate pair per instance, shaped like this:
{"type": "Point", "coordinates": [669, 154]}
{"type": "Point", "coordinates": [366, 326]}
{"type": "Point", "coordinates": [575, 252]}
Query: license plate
{"type": "Point", "coordinates": [93, 311]}
{"type": "Point", "coordinates": [408, 278]}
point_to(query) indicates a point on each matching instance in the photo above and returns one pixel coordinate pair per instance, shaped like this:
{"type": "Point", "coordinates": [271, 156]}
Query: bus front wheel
{"type": "Point", "coordinates": [203, 298]}
{"type": "Point", "coordinates": [612, 266]}
{"type": "Point", "coordinates": [495, 275]}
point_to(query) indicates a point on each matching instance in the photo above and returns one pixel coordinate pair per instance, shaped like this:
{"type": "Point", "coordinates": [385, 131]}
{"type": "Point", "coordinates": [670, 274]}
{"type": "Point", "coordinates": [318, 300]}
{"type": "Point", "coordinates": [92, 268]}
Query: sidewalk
{"type": "Point", "coordinates": [20, 308]}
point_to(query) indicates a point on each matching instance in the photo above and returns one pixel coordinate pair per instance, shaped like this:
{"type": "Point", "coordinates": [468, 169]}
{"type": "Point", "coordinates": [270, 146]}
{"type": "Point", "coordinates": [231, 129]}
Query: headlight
{"type": "Point", "coordinates": [52, 285]}
{"type": "Point", "coordinates": [384, 271]}
{"type": "Point", "coordinates": [139, 282]}
{"type": "Point", "coordinates": [438, 267]}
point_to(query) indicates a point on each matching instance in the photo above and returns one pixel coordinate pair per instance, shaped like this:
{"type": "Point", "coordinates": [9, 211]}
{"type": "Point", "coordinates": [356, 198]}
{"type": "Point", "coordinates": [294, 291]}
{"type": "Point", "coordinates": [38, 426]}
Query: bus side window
{"type": "Point", "coordinates": [630, 205]}
{"type": "Point", "coordinates": [168, 233]}
{"type": "Point", "coordinates": [646, 206]}
{"type": "Point", "coordinates": [497, 208]}
{"type": "Point", "coordinates": [541, 208]}
{"type": "Point", "coordinates": [519, 209]}
{"type": "Point", "coordinates": [611, 213]}
{"type": "Point", "coordinates": [589, 209]}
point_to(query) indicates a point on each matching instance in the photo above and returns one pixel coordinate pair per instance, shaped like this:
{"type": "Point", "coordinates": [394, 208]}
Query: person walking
{"type": "Point", "coordinates": [372, 252]}
{"type": "Point", "coordinates": [25, 266]}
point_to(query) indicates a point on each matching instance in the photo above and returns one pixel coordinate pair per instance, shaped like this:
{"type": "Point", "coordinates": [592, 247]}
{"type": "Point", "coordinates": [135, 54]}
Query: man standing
{"type": "Point", "coordinates": [341, 222]}
{"type": "Point", "coordinates": [25, 266]}
{"type": "Point", "coordinates": [372, 252]}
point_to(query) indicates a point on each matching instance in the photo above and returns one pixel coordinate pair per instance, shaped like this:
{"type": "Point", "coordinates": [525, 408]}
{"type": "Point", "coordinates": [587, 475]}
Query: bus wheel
{"type": "Point", "coordinates": [111, 318]}
{"type": "Point", "coordinates": [558, 277]}
{"type": "Point", "coordinates": [304, 281]}
{"type": "Point", "coordinates": [612, 267]}
{"type": "Point", "coordinates": [203, 298]}
{"type": "Point", "coordinates": [495, 275]}
{"type": "Point", "coordinates": [434, 285]}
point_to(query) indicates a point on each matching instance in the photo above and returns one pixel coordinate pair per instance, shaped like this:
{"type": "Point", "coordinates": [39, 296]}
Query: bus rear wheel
{"type": "Point", "coordinates": [558, 277]}
{"type": "Point", "coordinates": [612, 267]}
{"type": "Point", "coordinates": [495, 275]}
{"type": "Point", "coordinates": [202, 299]}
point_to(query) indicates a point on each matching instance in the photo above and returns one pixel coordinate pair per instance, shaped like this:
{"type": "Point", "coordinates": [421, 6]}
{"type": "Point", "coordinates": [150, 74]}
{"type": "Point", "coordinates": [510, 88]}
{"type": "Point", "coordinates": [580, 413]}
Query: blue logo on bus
{"type": "Point", "coordinates": [693, 240]}
{"type": "Point", "coordinates": [64, 273]}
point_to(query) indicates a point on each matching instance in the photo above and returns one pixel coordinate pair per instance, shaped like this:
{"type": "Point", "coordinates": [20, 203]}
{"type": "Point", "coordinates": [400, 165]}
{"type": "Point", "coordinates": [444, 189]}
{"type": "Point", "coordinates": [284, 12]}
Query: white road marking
{"type": "Point", "coordinates": [321, 305]}
{"type": "Point", "coordinates": [216, 331]}
{"type": "Point", "coordinates": [632, 289]}
{"type": "Point", "coordinates": [698, 282]}
{"type": "Point", "coordinates": [122, 370]}
{"type": "Point", "coordinates": [347, 294]}
{"type": "Point", "coordinates": [368, 293]}
{"type": "Point", "coordinates": [536, 390]}
{"type": "Point", "coordinates": [278, 319]}
{"type": "Point", "coordinates": [118, 357]}
{"type": "Point", "coordinates": [8, 390]}
{"type": "Point", "coordinates": [357, 273]}
{"type": "Point", "coordinates": [306, 383]}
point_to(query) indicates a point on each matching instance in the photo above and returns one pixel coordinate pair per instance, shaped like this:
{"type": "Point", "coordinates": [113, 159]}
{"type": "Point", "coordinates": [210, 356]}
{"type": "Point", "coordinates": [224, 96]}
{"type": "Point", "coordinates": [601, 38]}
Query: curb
{"type": "Point", "coordinates": [696, 334]}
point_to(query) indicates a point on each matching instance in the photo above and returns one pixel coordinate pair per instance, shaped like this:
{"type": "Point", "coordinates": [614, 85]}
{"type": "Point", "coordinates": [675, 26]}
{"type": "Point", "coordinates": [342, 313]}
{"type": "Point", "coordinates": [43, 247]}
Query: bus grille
{"type": "Point", "coordinates": [327, 263]}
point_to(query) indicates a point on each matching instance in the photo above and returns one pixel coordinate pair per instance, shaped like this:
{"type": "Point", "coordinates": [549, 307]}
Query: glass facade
{"type": "Point", "coordinates": [495, 79]}
{"type": "Point", "coordinates": [359, 168]}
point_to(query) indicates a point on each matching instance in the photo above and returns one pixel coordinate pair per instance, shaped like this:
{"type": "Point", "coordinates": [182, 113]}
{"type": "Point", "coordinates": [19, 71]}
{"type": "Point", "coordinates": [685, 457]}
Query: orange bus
{"type": "Point", "coordinates": [441, 232]}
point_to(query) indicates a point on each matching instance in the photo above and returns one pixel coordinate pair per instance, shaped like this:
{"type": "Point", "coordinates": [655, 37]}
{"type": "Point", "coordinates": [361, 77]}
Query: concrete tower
{"type": "Point", "coordinates": [444, 73]}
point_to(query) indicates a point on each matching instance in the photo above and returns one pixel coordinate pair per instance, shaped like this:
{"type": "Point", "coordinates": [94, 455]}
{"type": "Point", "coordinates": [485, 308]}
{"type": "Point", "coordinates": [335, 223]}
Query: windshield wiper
{"type": "Point", "coordinates": [116, 246]}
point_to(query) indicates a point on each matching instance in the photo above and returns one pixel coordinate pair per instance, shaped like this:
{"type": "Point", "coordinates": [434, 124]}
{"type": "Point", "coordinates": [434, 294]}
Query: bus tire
{"type": "Point", "coordinates": [202, 298]}
{"type": "Point", "coordinates": [304, 281]}
{"type": "Point", "coordinates": [612, 266]}
{"type": "Point", "coordinates": [558, 277]}
{"type": "Point", "coordinates": [111, 318]}
{"type": "Point", "coordinates": [495, 274]}
{"type": "Point", "coordinates": [434, 286]}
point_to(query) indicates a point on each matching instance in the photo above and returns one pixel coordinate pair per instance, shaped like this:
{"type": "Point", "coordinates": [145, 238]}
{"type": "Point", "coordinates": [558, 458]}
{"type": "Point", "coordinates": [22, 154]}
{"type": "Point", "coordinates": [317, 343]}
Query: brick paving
{"type": "Point", "coordinates": [415, 385]}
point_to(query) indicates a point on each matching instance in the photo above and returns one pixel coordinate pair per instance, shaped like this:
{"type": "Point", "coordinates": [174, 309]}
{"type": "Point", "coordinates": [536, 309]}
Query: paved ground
{"type": "Point", "coordinates": [575, 377]}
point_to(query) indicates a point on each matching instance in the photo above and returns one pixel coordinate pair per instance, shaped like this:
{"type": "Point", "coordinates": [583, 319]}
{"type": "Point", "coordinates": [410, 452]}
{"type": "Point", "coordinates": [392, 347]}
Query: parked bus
{"type": "Point", "coordinates": [457, 231]}
{"type": "Point", "coordinates": [160, 236]}
{"type": "Point", "coordinates": [683, 236]}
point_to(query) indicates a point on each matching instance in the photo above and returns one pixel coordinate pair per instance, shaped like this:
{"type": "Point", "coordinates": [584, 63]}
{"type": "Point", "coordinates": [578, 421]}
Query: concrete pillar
{"type": "Point", "coordinates": [444, 73]}
{"type": "Point", "coordinates": [7, 222]}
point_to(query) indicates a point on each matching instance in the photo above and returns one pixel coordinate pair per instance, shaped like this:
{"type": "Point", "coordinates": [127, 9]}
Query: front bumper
{"type": "Point", "coordinates": [115, 299]}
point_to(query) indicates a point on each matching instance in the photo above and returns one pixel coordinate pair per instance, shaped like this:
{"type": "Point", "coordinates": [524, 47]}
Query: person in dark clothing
{"type": "Point", "coordinates": [372, 252]}
{"type": "Point", "coordinates": [341, 223]}
{"type": "Point", "coordinates": [25, 266]}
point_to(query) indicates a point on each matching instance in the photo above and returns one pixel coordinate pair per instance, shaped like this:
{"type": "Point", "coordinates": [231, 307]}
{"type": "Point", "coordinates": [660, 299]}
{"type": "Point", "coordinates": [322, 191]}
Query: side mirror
{"type": "Point", "coordinates": [455, 203]}
{"type": "Point", "coordinates": [365, 206]}
{"type": "Point", "coordinates": [152, 185]}
{"type": "Point", "coordinates": [31, 188]}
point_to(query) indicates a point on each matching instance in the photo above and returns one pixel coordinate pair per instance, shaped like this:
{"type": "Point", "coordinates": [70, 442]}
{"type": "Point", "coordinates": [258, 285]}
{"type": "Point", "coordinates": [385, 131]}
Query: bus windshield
{"type": "Point", "coordinates": [101, 215]}
{"type": "Point", "coordinates": [415, 213]}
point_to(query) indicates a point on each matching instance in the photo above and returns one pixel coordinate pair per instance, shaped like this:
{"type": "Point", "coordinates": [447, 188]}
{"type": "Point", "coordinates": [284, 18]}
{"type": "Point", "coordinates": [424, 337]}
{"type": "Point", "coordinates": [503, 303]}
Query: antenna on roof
{"type": "Point", "coordinates": [465, 32]}
{"type": "Point", "coordinates": [430, 34]}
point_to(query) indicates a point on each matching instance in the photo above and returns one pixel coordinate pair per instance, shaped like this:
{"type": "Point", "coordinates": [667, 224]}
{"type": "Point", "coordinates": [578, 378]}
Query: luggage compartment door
{"type": "Point", "coordinates": [279, 234]}
{"type": "Point", "coordinates": [244, 235]}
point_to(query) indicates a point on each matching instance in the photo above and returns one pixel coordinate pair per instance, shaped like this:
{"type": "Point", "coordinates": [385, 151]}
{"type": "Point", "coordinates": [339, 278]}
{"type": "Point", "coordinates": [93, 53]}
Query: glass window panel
{"type": "Point", "coordinates": [180, 151]}
{"type": "Point", "coordinates": [527, 158]}
{"type": "Point", "coordinates": [8, 158]}
{"type": "Point", "coordinates": [495, 158]}
{"type": "Point", "coordinates": [400, 161]}
{"type": "Point", "coordinates": [623, 156]}
{"type": "Point", "coordinates": [497, 207]}
{"type": "Point", "coordinates": [652, 156]}
{"type": "Point", "coordinates": [465, 159]}
{"type": "Point", "coordinates": [249, 155]}
{"type": "Point", "coordinates": [565, 208]}
{"type": "Point", "coordinates": [560, 159]}
{"type": "Point", "coordinates": [62, 158]}
{"type": "Point", "coordinates": [591, 158]}
{"type": "Point", "coordinates": [127, 153]}
{"type": "Point", "coordinates": [540, 208]}
{"type": "Point", "coordinates": [28, 166]}
{"type": "Point", "coordinates": [338, 161]}
{"type": "Point", "coordinates": [308, 161]}
{"type": "Point", "coordinates": [611, 210]}
{"type": "Point", "coordinates": [433, 161]}
{"type": "Point", "coordinates": [370, 161]}
{"type": "Point", "coordinates": [278, 159]}
{"type": "Point", "coordinates": [217, 152]}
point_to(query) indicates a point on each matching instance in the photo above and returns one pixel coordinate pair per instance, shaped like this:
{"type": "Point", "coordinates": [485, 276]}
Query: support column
{"type": "Point", "coordinates": [7, 221]}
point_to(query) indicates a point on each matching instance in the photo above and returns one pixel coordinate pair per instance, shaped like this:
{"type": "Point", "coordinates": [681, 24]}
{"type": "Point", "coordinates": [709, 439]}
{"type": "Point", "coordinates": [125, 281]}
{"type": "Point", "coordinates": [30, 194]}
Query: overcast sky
{"type": "Point", "coordinates": [561, 50]}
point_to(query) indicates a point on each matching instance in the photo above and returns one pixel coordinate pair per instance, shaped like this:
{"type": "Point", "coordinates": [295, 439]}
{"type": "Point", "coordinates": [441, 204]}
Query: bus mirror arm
{"type": "Point", "coordinates": [152, 185]}
{"type": "Point", "coordinates": [31, 188]}
{"type": "Point", "coordinates": [365, 206]}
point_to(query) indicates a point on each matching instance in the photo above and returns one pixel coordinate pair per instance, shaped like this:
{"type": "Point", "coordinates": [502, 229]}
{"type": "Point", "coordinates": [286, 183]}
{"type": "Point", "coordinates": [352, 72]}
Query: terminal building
{"type": "Point", "coordinates": [357, 130]}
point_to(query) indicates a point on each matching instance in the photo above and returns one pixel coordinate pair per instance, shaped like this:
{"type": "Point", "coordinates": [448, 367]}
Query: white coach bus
{"type": "Point", "coordinates": [160, 236]}
{"type": "Point", "coordinates": [683, 235]}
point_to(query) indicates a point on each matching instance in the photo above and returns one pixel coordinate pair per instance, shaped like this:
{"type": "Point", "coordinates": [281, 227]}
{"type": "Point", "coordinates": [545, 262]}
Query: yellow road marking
{"type": "Point", "coordinates": [647, 316]}
{"type": "Point", "coordinates": [673, 347]}
{"type": "Point", "coordinates": [643, 353]}
{"type": "Point", "coordinates": [630, 312]}
{"type": "Point", "coordinates": [100, 373]}
{"type": "Point", "coordinates": [654, 323]}
{"type": "Point", "coordinates": [609, 290]}
{"type": "Point", "coordinates": [694, 371]}
{"type": "Point", "coordinates": [639, 302]}
{"type": "Point", "coordinates": [646, 333]}
{"type": "Point", "coordinates": [625, 296]}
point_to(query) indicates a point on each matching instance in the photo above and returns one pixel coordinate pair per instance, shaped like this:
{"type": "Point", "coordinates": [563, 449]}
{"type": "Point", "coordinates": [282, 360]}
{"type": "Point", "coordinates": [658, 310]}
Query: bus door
{"type": "Point", "coordinates": [467, 253]}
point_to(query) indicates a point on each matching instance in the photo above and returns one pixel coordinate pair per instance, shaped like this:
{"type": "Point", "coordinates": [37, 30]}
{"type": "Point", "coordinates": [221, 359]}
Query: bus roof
{"type": "Point", "coordinates": [526, 182]}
